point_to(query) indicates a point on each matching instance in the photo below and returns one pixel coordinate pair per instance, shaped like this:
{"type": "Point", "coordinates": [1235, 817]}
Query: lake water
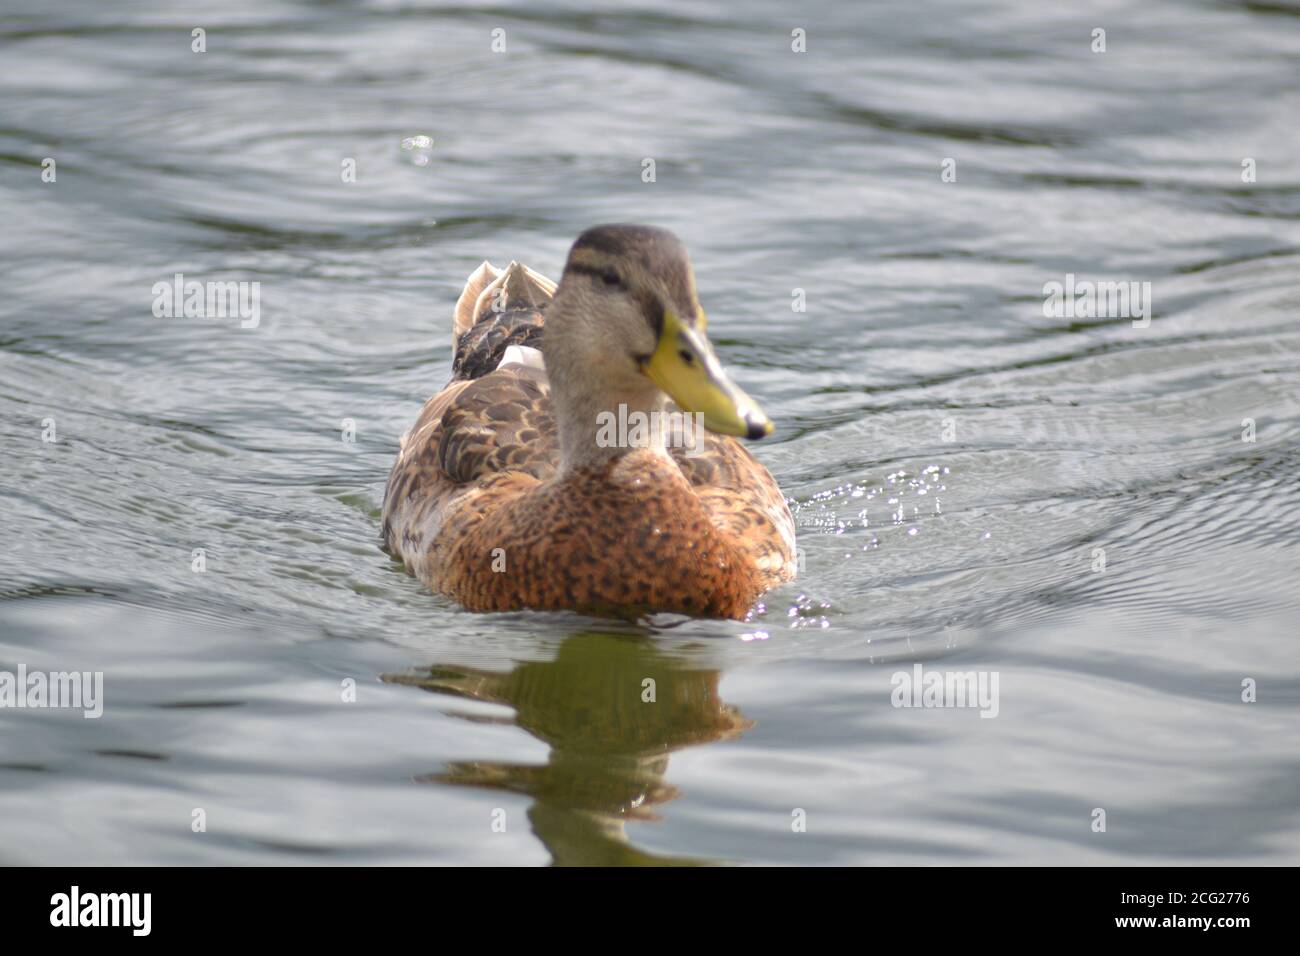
{"type": "Point", "coordinates": [1100, 512]}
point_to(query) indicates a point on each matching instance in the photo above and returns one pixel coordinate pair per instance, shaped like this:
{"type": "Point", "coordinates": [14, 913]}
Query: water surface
{"type": "Point", "coordinates": [958, 462]}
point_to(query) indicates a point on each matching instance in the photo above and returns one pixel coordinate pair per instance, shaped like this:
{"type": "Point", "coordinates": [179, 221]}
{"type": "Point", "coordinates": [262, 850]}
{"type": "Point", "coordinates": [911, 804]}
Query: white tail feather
{"type": "Point", "coordinates": [465, 315]}
{"type": "Point", "coordinates": [490, 287]}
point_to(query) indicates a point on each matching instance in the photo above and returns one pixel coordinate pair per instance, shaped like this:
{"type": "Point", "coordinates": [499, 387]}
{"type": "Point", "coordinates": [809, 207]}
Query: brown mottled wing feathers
{"type": "Point", "coordinates": [501, 422]}
{"type": "Point", "coordinates": [481, 349]}
{"type": "Point", "coordinates": [743, 499]}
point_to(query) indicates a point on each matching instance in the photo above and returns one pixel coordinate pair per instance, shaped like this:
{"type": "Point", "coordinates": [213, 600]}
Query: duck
{"type": "Point", "coordinates": [586, 454]}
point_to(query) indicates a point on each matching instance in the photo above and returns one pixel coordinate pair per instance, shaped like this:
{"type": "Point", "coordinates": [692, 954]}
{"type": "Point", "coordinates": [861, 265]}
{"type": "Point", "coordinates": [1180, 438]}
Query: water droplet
{"type": "Point", "coordinates": [420, 148]}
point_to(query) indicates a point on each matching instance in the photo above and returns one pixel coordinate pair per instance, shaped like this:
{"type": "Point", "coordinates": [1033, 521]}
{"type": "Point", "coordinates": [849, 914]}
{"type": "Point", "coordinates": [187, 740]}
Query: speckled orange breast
{"type": "Point", "coordinates": [625, 537]}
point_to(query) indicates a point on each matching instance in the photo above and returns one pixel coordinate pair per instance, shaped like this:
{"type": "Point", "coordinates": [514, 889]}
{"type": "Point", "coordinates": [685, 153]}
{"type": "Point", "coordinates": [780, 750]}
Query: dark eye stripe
{"type": "Point", "coordinates": [650, 306]}
{"type": "Point", "coordinates": [607, 276]}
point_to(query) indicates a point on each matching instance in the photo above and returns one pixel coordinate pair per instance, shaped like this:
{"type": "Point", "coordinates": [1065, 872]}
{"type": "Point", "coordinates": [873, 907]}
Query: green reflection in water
{"type": "Point", "coordinates": [609, 743]}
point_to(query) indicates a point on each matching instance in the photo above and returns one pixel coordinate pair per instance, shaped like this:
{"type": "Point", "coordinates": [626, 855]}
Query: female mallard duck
{"type": "Point", "coordinates": [515, 490]}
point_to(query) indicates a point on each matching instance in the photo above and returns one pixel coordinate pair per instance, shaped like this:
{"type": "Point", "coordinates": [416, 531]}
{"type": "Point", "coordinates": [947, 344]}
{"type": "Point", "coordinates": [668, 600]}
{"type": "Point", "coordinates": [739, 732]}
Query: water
{"type": "Point", "coordinates": [959, 463]}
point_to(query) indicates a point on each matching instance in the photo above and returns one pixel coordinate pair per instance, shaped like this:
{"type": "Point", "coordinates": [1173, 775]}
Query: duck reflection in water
{"type": "Point", "coordinates": [612, 708]}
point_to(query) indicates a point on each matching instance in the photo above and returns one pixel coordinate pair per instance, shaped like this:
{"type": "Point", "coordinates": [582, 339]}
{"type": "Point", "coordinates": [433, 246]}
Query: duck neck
{"type": "Point", "coordinates": [604, 408]}
{"type": "Point", "coordinates": [598, 425]}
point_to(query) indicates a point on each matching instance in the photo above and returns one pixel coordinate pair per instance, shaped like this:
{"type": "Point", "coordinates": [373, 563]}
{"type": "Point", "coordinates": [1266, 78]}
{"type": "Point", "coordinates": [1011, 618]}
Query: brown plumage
{"type": "Point", "coordinates": [503, 496]}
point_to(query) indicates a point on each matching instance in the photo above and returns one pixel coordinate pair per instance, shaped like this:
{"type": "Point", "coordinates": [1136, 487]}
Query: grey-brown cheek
{"type": "Point", "coordinates": [652, 311]}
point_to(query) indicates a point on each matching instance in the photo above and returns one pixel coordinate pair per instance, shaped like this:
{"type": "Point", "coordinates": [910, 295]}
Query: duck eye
{"type": "Point", "coordinates": [610, 277]}
{"type": "Point", "coordinates": [687, 357]}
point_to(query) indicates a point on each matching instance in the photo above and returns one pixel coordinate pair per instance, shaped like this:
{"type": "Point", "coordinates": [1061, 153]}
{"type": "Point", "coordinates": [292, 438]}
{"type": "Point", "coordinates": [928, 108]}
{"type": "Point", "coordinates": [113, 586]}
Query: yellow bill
{"type": "Point", "coordinates": [685, 366]}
